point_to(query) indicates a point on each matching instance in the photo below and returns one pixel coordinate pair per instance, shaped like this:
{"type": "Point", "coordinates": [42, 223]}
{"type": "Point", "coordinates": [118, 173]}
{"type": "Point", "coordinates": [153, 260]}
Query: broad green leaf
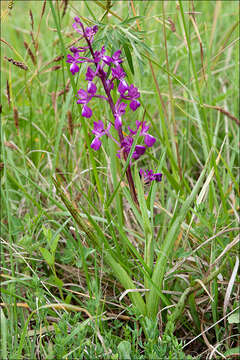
{"type": "Point", "coordinates": [234, 318]}
{"type": "Point", "coordinates": [53, 245]}
{"type": "Point", "coordinates": [48, 257]}
{"type": "Point", "coordinates": [124, 349]}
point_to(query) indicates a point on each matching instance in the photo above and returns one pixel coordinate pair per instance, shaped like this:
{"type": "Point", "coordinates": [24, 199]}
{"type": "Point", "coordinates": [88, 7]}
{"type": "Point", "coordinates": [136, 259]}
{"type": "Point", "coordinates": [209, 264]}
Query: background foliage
{"type": "Point", "coordinates": [62, 295]}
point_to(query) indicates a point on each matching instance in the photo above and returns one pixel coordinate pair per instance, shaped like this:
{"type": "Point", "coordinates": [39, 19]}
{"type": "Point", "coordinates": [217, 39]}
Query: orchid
{"type": "Point", "coordinates": [85, 97]}
{"type": "Point", "coordinates": [148, 139]}
{"type": "Point", "coordinates": [149, 176]}
{"type": "Point", "coordinates": [127, 95]}
{"type": "Point", "coordinates": [98, 131]}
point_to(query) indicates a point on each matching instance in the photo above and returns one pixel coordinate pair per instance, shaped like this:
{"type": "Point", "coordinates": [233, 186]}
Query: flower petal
{"type": "Point", "coordinates": [90, 74]}
{"type": "Point", "coordinates": [158, 177]}
{"type": "Point", "coordinates": [134, 104]}
{"type": "Point", "coordinates": [122, 87]}
{"type": "Point", "coordinates": [74, 68]}
{"type": "Point", "coordinates": [149, 140]}
{"type": "Point", "coordinates": [91, 88]}
{"type": "Point", "coordinates": [96, 144]}
{"type": "Point", "coordinates": [118, 122]}
{"type": "Point", "coordinates": [98, 127]}
{"type": "Point", "coordinates": [139, 151]}
{"type": "Point", "coordinates": [121, 108]}
{"type": "Point", "coordinates": [86, 111]}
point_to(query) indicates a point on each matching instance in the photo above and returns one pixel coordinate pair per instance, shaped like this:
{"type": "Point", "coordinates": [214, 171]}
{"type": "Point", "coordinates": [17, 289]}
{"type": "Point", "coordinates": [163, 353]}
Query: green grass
{"type": "Point", "coordinates": [85, 272]}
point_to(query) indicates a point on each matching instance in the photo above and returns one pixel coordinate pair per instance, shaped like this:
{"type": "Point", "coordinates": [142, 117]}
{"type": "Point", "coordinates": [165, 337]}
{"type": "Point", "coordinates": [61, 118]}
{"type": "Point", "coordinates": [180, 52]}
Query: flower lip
{"type": "Point", "coordinates": [118, 73]}
{"type": "Point", "coordinates": [86, 111]}
{"type": "Point", "coordinates": [99, 131]}
{"type": "Point", "coordinates": [149, 140]}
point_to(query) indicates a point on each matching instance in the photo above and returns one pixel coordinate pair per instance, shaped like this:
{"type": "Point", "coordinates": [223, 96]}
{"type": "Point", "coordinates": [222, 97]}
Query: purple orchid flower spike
{"type": "Point", "coordinates": [127, 94]}
{"type": "Point", "coordinates": [98, 131]}
{"type": "Point", "coordinates": [148, 139]}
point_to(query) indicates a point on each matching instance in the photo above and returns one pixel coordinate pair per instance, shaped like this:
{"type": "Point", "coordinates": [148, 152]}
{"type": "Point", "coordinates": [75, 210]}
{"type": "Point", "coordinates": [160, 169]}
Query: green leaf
{"type": "Point", "coordinates": [53, 245]}
{"type": "Point", "coordinates": [48, 257]}
{"type": "Point", "coordinates": [129, 57]}
{"type": "Point", "coordinates": [124, 349]}
{"type": "Point", "coordinates": [234, 318]}
{"type": "Point", "coordinates": [55, 281]}
{"type": "Point", "coordinates": [48, 234]}
{"type": "Point", "coordinates": [232, 352]}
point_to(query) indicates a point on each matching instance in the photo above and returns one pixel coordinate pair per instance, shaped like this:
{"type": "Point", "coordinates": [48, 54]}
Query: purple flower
{"type": "Point", "coordinates": [118, 114]}
{"type": "Point", "coordinates": [122, 87]}
{"type": "Point", "coordinates": [115, 59]}
{"type": "Point", "coordinates": [73, 49]}
{"type": "Point", "coordinates": [78, 25]}
{"type": "Point", "coordinates": [99, 55]}
{"type": "Point", "coordinates": [90, 74]}
{"type": "Point", "coordinates": [86, 111]}
{"type": "Point", "coordinates": [88, 32]}
{"type": "Point", "coordinates": [85, 97]}
{"type": "Point", "coordinates": [73, 60]}
{"type": "Point", "coordinates": [149, 176]}
{"type": "Point", "coordinates": [126, 146]}
{"type": "Point", "coordinates": [132, 94]}
{"type": "Point", "coordinates": [134, 104]}
{"type": "Point", "coordinates": [110, 84]}
{"type": "Point", "coordinates": [129, 93]}
{"type": "Point", "coordinates": [98, 131]}
{"type": "Point", "coordinates": [118, 73]}
{"type": "Point", "coordinates": [148, 139]}
{"type": "Point", "coordinates": [91, 88]}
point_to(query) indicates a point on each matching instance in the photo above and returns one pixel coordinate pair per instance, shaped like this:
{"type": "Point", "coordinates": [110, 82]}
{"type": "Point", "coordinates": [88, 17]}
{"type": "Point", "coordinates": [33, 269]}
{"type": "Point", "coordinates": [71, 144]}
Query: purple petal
{"type": "Point", "coordinates": [118, 122]}
{"type": "Point", "coordinates": [96, 144]}
{"type": "Point", "coordinates": [86, 111]}
{"type": "Point", "coordinates": [91, 88]}
{"type": "Point", "coordinates": [139, 151]}
{"type": "Point", "coordinates": [134, 105]}
{"type": "Point", "coordinates": [133, 92]}
{"type": "Point", "coordinates": [132, 131]}
{"type": "Point", "coordinates": [145, 128]}
{"type": "Point", "coordinates": [118, 73]}
{"type": "Point", "coordinates": [123, 87]}
{"type": "Point", "coordinates": [149, 140]}
{"type": "Point", "coordinates": [76, 27]}
{"type": "Point", "coordinates": [98, 127]}
{"type": "Point", "coordinates": [90, 74]}
{"type": "Point", "coordinates": [107, 59]}
{"type": "Point", "coordinates": [121, 108]}
{"type": "Point", "coordinates": [83, 97]}
{"type": "Point", "coordinates": [74, 68]}
{"type": "Point", "coordinates": [74, 50]}
{"type": "Point", "coordinates": [77, 19]}
{"type": "Point", "coordinates": [158, 177]}
{"type": "Point", "coordinates": [95, 29]}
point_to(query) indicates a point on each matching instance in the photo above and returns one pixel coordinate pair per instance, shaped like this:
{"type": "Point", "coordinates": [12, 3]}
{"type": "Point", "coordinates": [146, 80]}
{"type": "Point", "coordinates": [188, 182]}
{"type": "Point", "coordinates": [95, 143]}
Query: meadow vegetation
{"type": "Point", "coordinates": [101, 259]}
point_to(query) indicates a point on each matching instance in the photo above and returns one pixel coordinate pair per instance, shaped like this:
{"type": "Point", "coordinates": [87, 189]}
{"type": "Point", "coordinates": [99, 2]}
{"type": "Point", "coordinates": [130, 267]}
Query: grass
{"type": "Point", "coordinates": [86, 272]}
